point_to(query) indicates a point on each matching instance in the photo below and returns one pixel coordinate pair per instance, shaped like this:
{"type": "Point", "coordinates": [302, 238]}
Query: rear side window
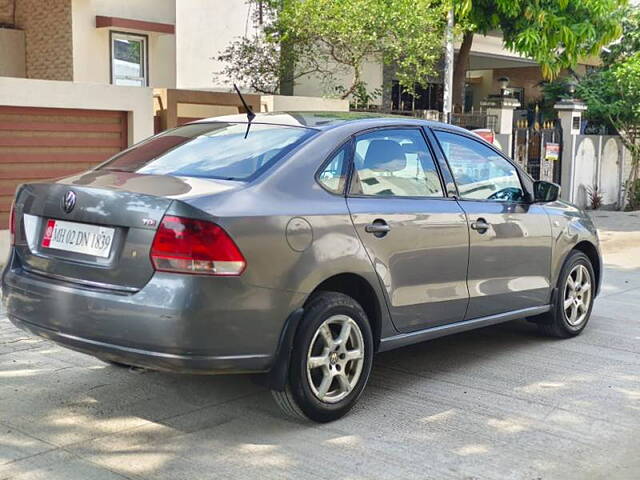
{"type": "Point", "coordinates": [211, 150]}
{"type": "Point", "coordinates": [333, 176]}
{"type": "Point", "coordinates": [394, 162]}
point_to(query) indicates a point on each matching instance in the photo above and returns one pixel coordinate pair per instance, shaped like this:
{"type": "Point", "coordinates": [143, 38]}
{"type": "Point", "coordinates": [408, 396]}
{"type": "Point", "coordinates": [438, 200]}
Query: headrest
{"type": "Point", "coordinates": [411, 148]}
{"type": "Point", "coordinates": [385, 155]}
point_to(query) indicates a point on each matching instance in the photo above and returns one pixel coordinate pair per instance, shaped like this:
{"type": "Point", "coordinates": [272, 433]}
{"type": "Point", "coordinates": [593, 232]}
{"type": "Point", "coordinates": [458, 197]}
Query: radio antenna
{"type": "Point", "coordinates": [250, 114]}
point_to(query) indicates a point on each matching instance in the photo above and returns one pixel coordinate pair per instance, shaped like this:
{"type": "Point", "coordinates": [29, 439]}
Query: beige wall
{"type": "Point", "coordinates": [12, 54]}
{"type": "Point", "coordinates": [281, 103]}
{"type": "Point", "coordinates": [193, 110]}
{"type": "Point", "coordinates": [312, 85]}
{"type": "Point", "coordinates": [45, 93]}
{"type": "Point", "coordinates": [491, 45]}
{"type": "Point", "coordinates": [528, 78]}
{"type": "Point", "coordinates": [482, 85]}
{"type": "Point", "coordinates": [91, 59]}
{"type": "Point", "coordinates": [204, 29]}
{"type": "Point", "coordinates": [161, 11]}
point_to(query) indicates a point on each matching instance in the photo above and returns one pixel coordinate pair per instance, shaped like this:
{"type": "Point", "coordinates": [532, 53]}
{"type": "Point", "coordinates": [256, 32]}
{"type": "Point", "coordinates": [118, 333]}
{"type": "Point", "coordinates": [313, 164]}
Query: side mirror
{"type": "Point", "coordinates": [545, 192]}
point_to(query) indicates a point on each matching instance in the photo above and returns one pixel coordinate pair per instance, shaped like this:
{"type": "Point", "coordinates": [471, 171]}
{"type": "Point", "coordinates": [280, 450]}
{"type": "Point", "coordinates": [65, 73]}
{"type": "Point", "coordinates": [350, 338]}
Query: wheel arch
{"type": "Point", "coordinates": [351, 284]}
{"type": "Point", "coordinates": [358, 288]}
{"type": "Point", "coordinates": [591, 251]}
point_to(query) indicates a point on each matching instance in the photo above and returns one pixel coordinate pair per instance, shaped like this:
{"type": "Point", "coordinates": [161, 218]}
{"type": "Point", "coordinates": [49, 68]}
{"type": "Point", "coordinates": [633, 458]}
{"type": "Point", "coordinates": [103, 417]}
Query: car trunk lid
{"type": "Point", "coordinates": [127, 206]}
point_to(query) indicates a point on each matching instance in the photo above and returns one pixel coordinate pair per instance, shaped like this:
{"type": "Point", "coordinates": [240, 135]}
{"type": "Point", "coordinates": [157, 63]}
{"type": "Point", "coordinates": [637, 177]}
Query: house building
{"type": "Point", "coordinates": [120, 42]}
{"type": "Point", "coordinates": [155, 43]}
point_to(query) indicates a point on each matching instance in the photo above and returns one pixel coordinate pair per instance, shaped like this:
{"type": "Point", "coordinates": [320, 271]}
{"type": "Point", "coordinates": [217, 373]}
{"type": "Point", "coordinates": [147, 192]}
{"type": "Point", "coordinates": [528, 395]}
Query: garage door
{"type": "Point", "coordinates": [43, 143]}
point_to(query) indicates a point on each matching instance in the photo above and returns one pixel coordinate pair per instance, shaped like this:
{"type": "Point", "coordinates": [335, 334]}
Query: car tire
{"type": "Point", "coordinates": [331, 359]}
{"type": "Point", "coordinates": [573, 300]}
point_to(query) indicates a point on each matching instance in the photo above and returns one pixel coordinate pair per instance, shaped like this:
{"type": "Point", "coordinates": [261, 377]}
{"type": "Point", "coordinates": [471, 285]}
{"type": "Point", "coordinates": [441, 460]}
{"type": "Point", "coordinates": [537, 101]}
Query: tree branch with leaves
{"type": "Point", "coordinates": [554, 33]}
{"type": "Point", "coordinates": [333, 41]}
{"type": "Point", "coordinates": [612, 94]}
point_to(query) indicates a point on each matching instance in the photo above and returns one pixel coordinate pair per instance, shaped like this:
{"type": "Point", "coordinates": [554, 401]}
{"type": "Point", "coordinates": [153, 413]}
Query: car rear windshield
{"type": "Point", "coordinates": [211, 150]}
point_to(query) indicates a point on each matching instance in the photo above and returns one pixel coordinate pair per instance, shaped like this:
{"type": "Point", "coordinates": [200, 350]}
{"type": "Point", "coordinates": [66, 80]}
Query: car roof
{"type": "Point", "coordinates": [328, 120]}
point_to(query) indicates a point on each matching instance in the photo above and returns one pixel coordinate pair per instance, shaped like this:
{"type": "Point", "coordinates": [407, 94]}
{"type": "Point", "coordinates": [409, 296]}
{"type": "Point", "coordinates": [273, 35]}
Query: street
{"type": "Point", "coordinates": [497, 403]}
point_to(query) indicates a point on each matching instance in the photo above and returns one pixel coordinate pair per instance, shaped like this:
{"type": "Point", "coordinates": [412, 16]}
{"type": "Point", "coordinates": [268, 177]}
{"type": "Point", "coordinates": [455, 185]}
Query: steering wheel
{"type": "Point", "coordinates": [512, 194]}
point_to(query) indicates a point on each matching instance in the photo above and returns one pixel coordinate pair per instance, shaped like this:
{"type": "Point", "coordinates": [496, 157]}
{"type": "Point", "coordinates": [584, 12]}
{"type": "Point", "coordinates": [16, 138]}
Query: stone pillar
{"type": "Point", "coordinates": [502, 107]}
{"type": "Point", "coordinates": [570, 116]}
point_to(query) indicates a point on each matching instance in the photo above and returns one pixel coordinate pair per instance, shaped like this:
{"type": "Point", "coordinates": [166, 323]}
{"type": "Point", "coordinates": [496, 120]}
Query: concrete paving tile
{"type": "Point", "coordinates": [15, 445]}
{"type": "Point", "coordinates": [56, 465]}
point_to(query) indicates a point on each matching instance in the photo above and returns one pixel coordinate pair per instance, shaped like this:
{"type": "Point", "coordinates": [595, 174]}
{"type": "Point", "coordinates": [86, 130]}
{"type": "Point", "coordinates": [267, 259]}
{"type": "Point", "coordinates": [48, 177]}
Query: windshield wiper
{"type": "Point", "coordinates": [250, 114]}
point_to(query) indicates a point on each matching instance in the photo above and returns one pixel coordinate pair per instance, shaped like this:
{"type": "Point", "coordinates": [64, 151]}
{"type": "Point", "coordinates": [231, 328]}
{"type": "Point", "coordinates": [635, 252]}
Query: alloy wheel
{"type": "Point", "coordinates": [335, 358]}
{"type": "Point", "coordinates": [577, 295]}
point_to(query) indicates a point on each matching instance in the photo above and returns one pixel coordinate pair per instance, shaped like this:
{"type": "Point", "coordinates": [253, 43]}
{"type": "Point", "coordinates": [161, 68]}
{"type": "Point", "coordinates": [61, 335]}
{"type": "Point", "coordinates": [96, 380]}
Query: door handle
{"type": "Point", "coordinates": [379, 228]}
{"type": "Point", "coordinates": [480, 225]}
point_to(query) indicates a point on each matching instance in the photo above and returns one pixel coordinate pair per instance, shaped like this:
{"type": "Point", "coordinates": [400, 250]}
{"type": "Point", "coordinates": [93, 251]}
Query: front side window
{"type": "Point", "coordinates": [129, 59]}
{"type": "Point", "coordinates": [480, 173]}
{"type": "Point", "coordinates": [394, 162]}
{"type": "Point", "coordinates": [210, 150]}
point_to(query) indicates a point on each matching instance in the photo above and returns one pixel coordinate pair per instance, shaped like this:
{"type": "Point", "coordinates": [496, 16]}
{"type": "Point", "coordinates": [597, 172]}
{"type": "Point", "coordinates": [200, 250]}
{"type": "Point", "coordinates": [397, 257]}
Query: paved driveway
{"type": "Point", "coordinates": [501, 402]}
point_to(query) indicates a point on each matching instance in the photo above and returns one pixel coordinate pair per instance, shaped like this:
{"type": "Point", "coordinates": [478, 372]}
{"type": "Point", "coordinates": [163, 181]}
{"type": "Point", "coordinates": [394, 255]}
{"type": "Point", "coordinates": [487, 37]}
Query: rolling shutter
{"type": "Point", "coordinates": [44, 143]}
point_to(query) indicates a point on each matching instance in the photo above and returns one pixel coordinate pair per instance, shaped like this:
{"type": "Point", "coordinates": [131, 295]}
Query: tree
{"type": "Point", "coordinates": [262, 62]}
{"type": "Point", "coordinates": [334, 39]}
{"type": "Point", "coordinates": [612, 93]}
{"type": "Point", "coordinates": [629, 43]}
{"type": "Point", "coordinates": [253, 63]}
{"type": "Point", "coordinates": [555, 33]}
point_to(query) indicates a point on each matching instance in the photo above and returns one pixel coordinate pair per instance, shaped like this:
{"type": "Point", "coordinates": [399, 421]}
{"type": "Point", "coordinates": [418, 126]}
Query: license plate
{"type": "Point", "coordinates": [78, 237]}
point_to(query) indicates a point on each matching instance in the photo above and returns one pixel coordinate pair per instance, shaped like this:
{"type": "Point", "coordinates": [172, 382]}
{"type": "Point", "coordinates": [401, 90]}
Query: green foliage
{"type": "Point", "coordinates": [629, 44]}
{"type": "Point", "coordinates": [620, 50]}
{"type": "Point", "coordinates": [552, 92]}
{"type": "Point", "coordinates": [253, 63]}
{"type": "Point", "coordinates": [361, 97]}
{"type": "Point", "coordinates": [614, 92]}
{"type": "Point", "coordinates": [633, 200]}
{"type": "Point", "coordinates": [335, 39]}
{"type": "Point", "coordinates": [555, 33]}
{"type": "Point", "coordinates": [595, 196]}
{"type": "Point", "coordinates": [339, 37]}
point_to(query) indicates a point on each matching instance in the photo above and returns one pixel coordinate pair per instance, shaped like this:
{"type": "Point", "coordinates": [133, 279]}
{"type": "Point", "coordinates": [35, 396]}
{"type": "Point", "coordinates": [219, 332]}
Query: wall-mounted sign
{"type": "Point", "coordinates": [552, 151]}
{"type": "Point", "coordinates": [487, 134]}
{"type": "Point", "coordinates": [576, 123]}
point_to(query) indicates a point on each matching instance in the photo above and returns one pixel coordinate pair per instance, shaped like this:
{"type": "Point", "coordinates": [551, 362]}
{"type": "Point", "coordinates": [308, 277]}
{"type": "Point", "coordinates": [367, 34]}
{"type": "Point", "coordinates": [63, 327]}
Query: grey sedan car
{"type": "Point", "coordinates": [297, 245]}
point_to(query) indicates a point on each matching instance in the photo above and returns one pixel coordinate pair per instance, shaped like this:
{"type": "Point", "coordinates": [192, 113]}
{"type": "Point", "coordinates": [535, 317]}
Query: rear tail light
{"type": "Point", "coordinates": [12, 224]}
{"type": "Point", "coordinates": [187, 245]}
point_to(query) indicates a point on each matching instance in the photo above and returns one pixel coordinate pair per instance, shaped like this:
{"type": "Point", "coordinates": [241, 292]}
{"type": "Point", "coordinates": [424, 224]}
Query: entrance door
{"type": "Point", "coordinates": [509, 238]}
{"type": "Point", "coordinates": [416, 238]}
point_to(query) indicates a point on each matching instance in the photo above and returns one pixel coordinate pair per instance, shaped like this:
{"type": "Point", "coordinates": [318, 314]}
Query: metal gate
{"type": "Point", "coordinates": [538, 149]}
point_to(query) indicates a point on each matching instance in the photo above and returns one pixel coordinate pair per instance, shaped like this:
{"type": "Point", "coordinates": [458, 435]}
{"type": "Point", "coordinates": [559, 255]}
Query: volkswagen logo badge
{"type": "Point", "coordinates": [68, 201]}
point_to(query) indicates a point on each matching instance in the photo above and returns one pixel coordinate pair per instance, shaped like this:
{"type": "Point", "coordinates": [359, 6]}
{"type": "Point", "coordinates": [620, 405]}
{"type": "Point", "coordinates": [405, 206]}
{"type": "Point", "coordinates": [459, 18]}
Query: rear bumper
{"type": "Point", "coordinates": [179, 323]}
{"type": "Point", "coordinates": [169, 362]}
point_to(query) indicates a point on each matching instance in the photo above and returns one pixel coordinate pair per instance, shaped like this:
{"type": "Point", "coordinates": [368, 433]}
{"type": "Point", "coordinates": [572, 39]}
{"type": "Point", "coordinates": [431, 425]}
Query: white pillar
{"type": "Point", "coordinates": [448, 69]}
{"type": "Point", "coordinates": [570, 115]}
{"type": "Point", "coordinates": [502, 107]}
